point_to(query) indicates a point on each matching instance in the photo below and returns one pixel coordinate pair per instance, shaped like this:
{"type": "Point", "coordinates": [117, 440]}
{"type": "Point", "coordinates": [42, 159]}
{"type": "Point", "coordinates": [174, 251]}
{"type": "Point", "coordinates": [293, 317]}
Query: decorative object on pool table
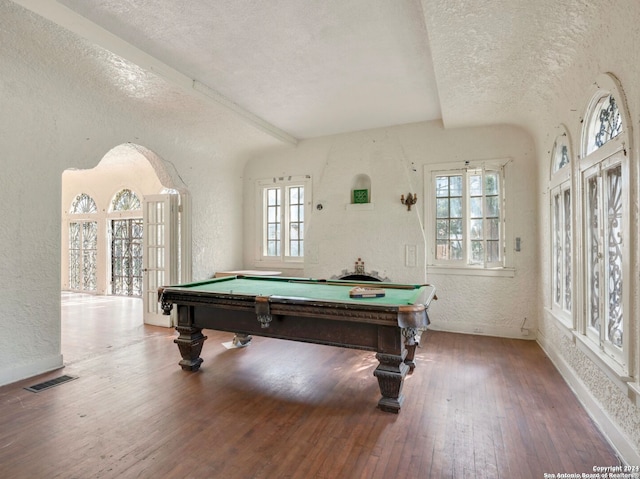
{"type": "Point", "coordinates": [363, 292]}
{"type": "Point", "coordinates": [307, 310]}
{"type": "Point", "coordinates": [360, 196]}
{"type": "Point", "coordinates": [409, 201]}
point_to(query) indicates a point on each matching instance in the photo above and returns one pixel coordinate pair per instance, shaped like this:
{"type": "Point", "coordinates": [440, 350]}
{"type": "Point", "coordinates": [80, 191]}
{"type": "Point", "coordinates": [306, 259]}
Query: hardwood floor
{"type": "Point", "coordinates": [476, 407]}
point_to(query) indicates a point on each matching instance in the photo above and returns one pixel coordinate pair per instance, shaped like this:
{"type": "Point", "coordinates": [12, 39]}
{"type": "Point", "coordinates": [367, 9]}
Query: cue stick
{"type": "Point", "coordinates": [362, 285]}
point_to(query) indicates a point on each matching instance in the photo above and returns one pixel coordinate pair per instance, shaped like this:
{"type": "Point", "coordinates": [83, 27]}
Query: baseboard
{"type": "Point", "coordinates": [511, 332]}
{"type": "Point", "coordinates": [164, 321]}
{"type": "Point", "coordinates": [33, 368]}
{"type": "Point", "coordinates": [616, 437]}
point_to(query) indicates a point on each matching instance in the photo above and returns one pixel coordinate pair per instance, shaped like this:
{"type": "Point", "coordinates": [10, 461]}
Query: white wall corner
{"type": "Point", "coordinates": [13, 374]}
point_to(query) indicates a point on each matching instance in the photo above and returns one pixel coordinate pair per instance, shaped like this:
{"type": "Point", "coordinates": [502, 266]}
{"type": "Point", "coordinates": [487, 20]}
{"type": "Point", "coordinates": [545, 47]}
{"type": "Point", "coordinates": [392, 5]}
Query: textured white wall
{"type": "Point", "coordinates": [395, 160]}
{"type": "Point", "coordinates": [614, 403]}
{"type": "Point", "coordinates": [55, 115]}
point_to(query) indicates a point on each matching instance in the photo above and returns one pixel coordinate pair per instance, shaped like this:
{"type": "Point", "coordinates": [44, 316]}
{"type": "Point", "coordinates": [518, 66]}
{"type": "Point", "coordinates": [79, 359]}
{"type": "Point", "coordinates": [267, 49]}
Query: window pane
{"type": "Point", "coordinates": [456, 229]}
{"type": "Point", "coordinates": [567, 249]}
{"type": "Point", "coordinates": [125, 200]}
{"type": "Point", "coordinates": [609, 123]}
{"type": "Point", "coordinates": [83, 203]}
{"type": "Point", "coordinates": [442, 249]}
{"type": "Point", "coordinates": [493, 251]}
{"type": "Point", "coordinates": [455, 185]}
{"type": "Point", "coordinates": [442, 186]}
{"type": "Point", "coordinates": [491, 183]}
{"type": "Point", "coordinates": [477, 252]}
{"type": "Point", "coordinates": [560, 153]}
{"type": "Point", "coordinates": [494, 229]}
{"type": "Point", "coordinates": [475, 185]}
{"type": "Point", "coordinates": [74, 235]}
{"type": "Point", "coordinates": [475, 207]}
{"type": "Point", "coordinates": [273, 248]}
{"type": "Point", "coordinates": [442, 208]}
{"type": "Point", "coordinates": [475, 231]}
{"type": "Point", "coordinates": [273, 231]}
{"type": "Point", "coordinates": [593, 254]}
{"type": "Point", "coordinates": [614, 255]}
{"type": "Point", "coordinates": [493, 207]}
{"type": "Point", "coordinates": [442, 229]}
{"type": "Point", "coordinates": [273, 195]}
{"type": "Point", "coordinates": [456, 250]}
{"type": "Point", "coordinates": [455, 207]}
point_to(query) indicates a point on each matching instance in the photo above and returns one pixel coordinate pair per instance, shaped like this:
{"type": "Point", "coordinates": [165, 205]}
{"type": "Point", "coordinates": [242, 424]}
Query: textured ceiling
{"type": "Point", "coordinates": [497, 61]}
{"type": "Point", "coordinates": [307, 68]}
{"type": "Point", "coordinates": [310, 68]}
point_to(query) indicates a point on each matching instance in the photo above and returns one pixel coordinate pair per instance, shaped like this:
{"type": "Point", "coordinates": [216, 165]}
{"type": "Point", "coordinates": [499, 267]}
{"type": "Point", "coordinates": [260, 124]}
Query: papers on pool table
{"type": "Point", "coordinates": [362, 292]}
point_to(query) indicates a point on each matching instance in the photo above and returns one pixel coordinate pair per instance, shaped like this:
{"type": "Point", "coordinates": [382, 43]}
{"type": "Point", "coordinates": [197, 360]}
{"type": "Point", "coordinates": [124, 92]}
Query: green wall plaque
{"type": "Point", "coordinates": [360, 196]}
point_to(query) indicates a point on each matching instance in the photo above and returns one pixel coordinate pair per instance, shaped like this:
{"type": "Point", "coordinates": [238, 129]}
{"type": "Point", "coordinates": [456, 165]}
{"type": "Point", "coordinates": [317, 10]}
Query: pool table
{"type": "Point", "coordinates": [299, 309]}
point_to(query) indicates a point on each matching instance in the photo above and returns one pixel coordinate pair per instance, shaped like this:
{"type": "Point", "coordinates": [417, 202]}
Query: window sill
{"type": "Point", "coordinates": [614, 371]}
{"type": "Point", "coordinates": [279, 264]}
{"type": "Point", "coordinates": [468, 271]}
{"type": "Point", "coordinates": [563, 319]}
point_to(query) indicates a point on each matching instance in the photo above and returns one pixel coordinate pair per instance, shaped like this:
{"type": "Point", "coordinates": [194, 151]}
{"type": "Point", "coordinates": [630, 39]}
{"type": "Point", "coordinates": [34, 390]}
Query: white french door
{"type": "Point", "coordinates": [161, 253]}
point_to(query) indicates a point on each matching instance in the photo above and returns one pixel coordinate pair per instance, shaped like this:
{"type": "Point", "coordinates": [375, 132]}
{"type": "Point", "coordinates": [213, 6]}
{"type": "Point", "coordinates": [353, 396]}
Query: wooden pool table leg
{"type": "Point", "coordinates": [190, 344]}
{"type": "Point", "coordinates": [390, 373]}
{"type": "Point", "coordinates": [410, 344]}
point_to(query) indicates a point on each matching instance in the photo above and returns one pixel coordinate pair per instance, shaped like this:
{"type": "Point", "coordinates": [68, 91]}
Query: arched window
{"type": "Point", "coordinates": [605, 122]}
{"type": "Point", "coordinates": [605, 230]}
{"type": "Point", "coordinates": [83, 203]}
{"type": "Point", "coordinates": [83, 244]}
{"type": "Point", "coordinates": [125, 200]}
{"type": "Point", "coordinates": [126, 244]}
{"type": "Point", "coordinates": [561, 229]}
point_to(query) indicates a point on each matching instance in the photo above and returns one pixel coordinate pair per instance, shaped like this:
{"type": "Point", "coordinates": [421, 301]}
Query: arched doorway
{"type": "Point", "coordinates": [126, 174]}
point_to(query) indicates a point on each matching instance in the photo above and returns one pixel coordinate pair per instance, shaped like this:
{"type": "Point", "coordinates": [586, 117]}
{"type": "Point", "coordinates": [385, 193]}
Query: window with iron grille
{"type": "Point", "coordinates": [561, 209]}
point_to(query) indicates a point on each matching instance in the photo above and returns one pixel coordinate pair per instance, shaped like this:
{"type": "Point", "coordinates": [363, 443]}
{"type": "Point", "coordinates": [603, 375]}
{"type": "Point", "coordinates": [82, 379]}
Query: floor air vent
{"type": "Point", "coordinates": [36, 388]}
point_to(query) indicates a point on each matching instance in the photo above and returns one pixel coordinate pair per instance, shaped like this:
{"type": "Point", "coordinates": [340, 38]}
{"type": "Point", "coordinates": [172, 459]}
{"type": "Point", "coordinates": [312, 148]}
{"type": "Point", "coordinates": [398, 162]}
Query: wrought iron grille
{"type": "Point", "coordinates": [609, 124]}
{"type": "Point", "coordinates": [614, 255]}
{"type": "Point", "coordinates": [126, 257]}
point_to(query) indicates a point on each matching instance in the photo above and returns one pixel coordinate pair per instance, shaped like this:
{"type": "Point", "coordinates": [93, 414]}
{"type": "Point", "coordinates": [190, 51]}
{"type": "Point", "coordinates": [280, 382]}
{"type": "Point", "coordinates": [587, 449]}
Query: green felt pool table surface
{"type": "Point", "coordinates": [308, 289]}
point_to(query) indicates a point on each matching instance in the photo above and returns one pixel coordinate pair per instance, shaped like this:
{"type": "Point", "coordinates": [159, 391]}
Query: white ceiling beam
{"type": "Point", "coordinates": [72, 21]}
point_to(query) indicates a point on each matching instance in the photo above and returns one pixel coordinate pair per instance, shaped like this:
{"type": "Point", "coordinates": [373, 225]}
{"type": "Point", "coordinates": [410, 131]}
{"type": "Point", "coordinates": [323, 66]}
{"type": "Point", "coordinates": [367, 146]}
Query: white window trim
{"type": "Point", "coordinates": [595, 341]}
{"type": "Point", "coordinates": [462, 267]}
{"type": "Point", "coordinates": [623, 364]}
{"type": "Point", "coordinates": [560, 181]}
{"type": "Point", "coordinates": [282, 261]}
{"type": "Point", "coordinates": [558, 309]}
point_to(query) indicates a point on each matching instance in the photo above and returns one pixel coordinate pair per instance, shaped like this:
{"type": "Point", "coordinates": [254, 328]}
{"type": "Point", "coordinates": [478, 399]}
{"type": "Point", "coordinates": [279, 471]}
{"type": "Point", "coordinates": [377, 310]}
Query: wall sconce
{"type": "Point", "coordinates": [409, 201]}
